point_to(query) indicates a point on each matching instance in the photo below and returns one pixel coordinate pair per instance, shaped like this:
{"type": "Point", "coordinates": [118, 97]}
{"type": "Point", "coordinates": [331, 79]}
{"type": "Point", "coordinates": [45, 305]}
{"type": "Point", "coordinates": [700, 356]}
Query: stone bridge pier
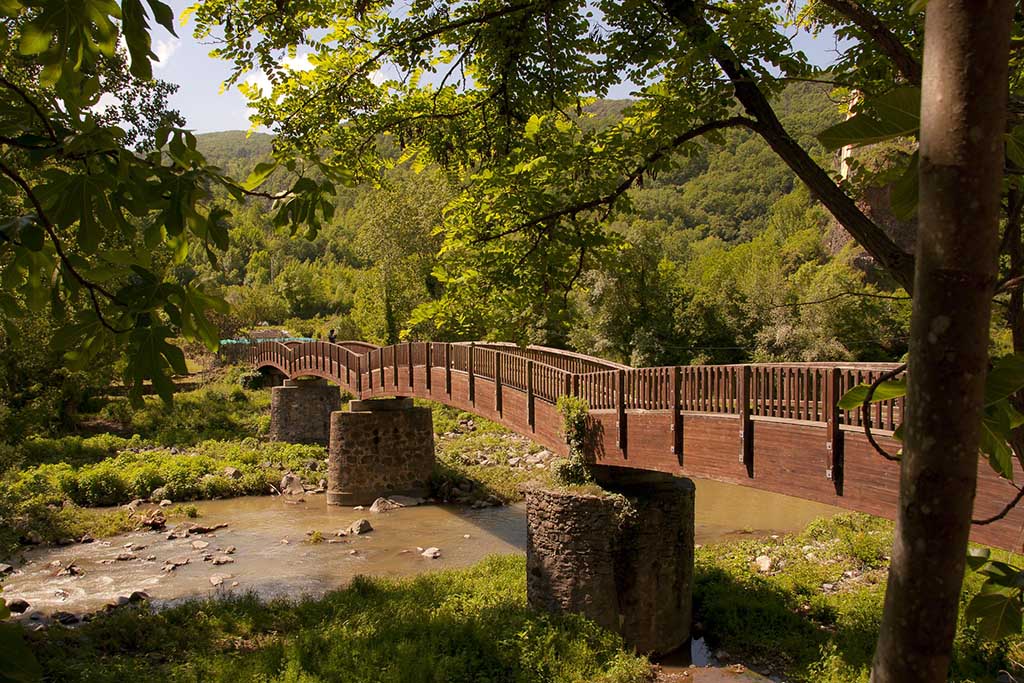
{"type": "Point", "coordinates": [622, 557]}
{"type": "Point", "coordinates": [378, 448]}
{"type": "Point", "coordinates": [300, 411]}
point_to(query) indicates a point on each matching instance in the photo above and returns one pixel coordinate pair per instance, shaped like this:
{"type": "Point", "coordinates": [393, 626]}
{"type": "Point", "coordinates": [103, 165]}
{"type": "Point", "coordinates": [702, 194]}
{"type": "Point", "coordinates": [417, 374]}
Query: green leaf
{"type": "Point", "coordinates": [17, 663]}
{"type": "Point", "coordinates": [259, 175]}
{"type": "Point", "coordinates": [164, 15]}
{"type": "Point", "coordinates": [1005, 379]}
{"type": "Point", "coordinates": [896, 113]}
{"type": "Point", "coordinates": [994, 433]}
{"type": "Point", "coordinates": [854, 398]}
{"type": "Point", "coordinates": [997, 613]}
{"type": "Point", "coordinates": [977, 558]}
{"type": "Point", "coordinates": [903, 198]}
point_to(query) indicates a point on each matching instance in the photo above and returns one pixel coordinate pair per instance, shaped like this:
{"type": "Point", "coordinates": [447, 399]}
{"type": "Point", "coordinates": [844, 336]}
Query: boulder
{"type": "Point", "coordinates": [154, 520]}
{"type": "Point", "coordinates": [200, 545]}
{"type": "Point", "coordinates": [138, 596]}
{"type": "Point", "coordinates": [66, 618]}
{"type": "Point", "coordinates": [160, 493]}
{"type": "Point", "coordinates": [206, 528]}
{"type": "Point", "coordinates": [126, 556]}
{"type": "Point", "coordinates": [223, 559]}
{"type": "Point", "coordinates": [763, 563]}
{"type": "Point", "coordinates": [232, 473]}
{"type": "Point", "coordinates": [360, 526]}
{"type": "Point", "coordinates": [291, 484]}
{"type": "Point", "coordinates": [166, 503]}
{"type": "Point", "coordinates": [17, 606]}
{"type": "Point", "coordinates": [384, 505]}
{"type": "Point", "coordinates": [230, 550]}
{"type": "Point", "coordinates": [5, 569]}
{"type": "Point", "coordinates": [432, 553]}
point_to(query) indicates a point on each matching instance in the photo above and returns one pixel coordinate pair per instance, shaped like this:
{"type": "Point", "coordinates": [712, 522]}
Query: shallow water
{"type": "Point", "coordinates": [263, 562]}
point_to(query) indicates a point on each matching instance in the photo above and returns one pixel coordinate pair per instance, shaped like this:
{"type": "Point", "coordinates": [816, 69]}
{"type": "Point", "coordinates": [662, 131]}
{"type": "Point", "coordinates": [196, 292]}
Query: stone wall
{"type": "Point", "coordinates": [378, 448]}
{"type": "Point", "coordinates": [300, 411]}
{"type": "Point", "coordinates": [624, 561]}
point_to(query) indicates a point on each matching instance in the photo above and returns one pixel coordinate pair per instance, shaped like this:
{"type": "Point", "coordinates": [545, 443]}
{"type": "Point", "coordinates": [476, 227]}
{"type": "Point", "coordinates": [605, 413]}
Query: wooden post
{"type": "Point", "coordinates": [567, 388]}
{"type": "Point", "coordinates": [348, 367]}
{"type": "Point", "coordinates": [380, 359]}
{"type": "Point", "coordinates": [746, 426]}
{"type": "Point", "coordinates": [359, 376]}
{"type": "Point", "coordinates": [394, 365]}
{"type": "Point", "coordinates": [834, 444]}
{"type": "Point", "coordinates": [620, 408]}
{"type": "Point", "coordinates": [497, 383]}
{"type": "Point", "coordinates": [472, 375]}
{"type": "Point", "coordinates": [575, 384]}
{"type": "Point", "coordinates": [408, 351]}
{"type": "Point", "coordinates": [677, 414]}
{"type": "Point", "coordinates": [448, 369]}
{"type": "Point", "coordinates": [426, 363]}
{"type": "Point", "coordinates": [529, 394]}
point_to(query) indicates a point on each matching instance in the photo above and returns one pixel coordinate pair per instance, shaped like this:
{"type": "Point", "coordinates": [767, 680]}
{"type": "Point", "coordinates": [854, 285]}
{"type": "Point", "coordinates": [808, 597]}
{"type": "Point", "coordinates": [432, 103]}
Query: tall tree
{"type": "Point", "coordinates": [963, 117]}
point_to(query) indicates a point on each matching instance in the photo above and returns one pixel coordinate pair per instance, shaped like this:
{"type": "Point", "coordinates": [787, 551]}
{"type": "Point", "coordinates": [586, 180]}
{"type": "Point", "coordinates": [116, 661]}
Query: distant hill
{"type": "Point", "coordinates": [235, 151]}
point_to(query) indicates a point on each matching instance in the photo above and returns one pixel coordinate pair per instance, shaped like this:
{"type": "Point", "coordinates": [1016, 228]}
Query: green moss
{"type": "Point", "coordinates": [469, 625]}
{"type": "Point", "coordinates": [814, 616]}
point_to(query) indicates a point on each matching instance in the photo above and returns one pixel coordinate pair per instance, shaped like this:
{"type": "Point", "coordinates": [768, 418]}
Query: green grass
{"type": "Point", "coordinates": [787, 623]}
{"type": "Point", "coordinates": [470, 625]}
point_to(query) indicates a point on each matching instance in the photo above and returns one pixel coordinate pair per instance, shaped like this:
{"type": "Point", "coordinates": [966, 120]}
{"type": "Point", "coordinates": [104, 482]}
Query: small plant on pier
{"type": "Point", "coordinates": [574, 470]}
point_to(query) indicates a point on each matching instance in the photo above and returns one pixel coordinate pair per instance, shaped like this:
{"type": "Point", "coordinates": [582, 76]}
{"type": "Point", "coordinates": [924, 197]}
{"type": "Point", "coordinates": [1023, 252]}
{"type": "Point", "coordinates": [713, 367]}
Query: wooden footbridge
{"type": "Point", "coordinates": [773, 426]}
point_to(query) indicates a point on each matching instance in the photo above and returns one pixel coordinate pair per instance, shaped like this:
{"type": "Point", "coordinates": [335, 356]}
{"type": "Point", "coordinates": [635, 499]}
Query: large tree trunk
{"type": "Point", "coordinates": [963, 111]}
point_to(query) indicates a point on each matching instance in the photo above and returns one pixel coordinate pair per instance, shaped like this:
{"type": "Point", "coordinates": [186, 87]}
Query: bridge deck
{"type": "Point", "coordinates": [771, 426]}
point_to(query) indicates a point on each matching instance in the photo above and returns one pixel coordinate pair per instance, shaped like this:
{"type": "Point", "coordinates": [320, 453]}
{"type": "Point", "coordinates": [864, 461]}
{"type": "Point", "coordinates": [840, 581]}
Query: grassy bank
{"type": "Point", "coordinates": [48, 485]}
{"type": "Point", "coordinates": [814, 615]}
{"type": "Point", "coordinates": [468, 626]}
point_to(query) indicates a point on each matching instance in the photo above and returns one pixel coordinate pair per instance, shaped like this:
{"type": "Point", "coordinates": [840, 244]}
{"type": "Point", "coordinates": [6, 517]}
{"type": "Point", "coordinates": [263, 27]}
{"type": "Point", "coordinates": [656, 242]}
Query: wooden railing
{"type": "Point", "coordinates": [800, 392]}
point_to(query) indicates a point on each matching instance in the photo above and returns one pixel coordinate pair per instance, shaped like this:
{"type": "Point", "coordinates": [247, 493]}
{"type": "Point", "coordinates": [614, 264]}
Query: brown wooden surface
{"type": "Point", "coordinates": [768, 426]}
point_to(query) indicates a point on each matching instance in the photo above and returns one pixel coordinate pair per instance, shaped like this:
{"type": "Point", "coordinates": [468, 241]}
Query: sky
{"type": "Point", "coordinates": [186, 62]}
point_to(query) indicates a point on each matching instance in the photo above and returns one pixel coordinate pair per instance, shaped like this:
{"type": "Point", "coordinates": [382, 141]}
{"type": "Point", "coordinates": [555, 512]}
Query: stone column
{"type": "Point", "coordinates": [300, 411]}
{"type": "Point", "coordinates": [624, 560]}
{"type": "Point", "coordinates": [378, 448]}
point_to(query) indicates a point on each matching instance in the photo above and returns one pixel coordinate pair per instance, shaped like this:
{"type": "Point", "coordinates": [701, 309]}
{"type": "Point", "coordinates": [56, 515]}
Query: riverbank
{"type": "Point", "coordinates": [803, 607]}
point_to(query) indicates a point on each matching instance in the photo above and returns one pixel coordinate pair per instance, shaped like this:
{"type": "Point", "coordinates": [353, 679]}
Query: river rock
{"type": "Point", "coordinates": [125, 557]}
{"type": "Point", "coordinates": [160, 494]}
{"type": "Point", "coordinates": [154, 520]}
{"type": "Point", "coordinates": [173, 563]}
{"type": "Point", "coordinates": [230, 550]}
{"type": "Point", "coordinates": [166, 503]}
{"type": "Point", "coordinates": [179, 531]}
{"type": "Point", "coordinates": [360, 526]}
{"type": "Point", "coordinates": [200, 545]}
{"type": "Point", "coordinates": [66, 618]}
{"type": "Point", "coordinates": [291, 484]}
{"type": "Point", "coordinates": [384, 505]}
{"type": "Point", "coordinates": [763, 564]}
{"type": "Point", "coordinates": [406, 501]}
{"type": "Point", "coordinates": [232, 473]}
{"type": "Point", "coordinates": [119, 601]}
{"type": "Point", "coordinates": [218, 579]}
{"type": "Point", "coordinates": [138, 596]}
{"type": "Point", "coordinates": [86, 538]}
{"type": "Point", "coordinates": [432, 553]}
{"type": "Point", "coordinates": [32, 538]}
{"type": "Point", "coordinates": [223, 559]}
{"type": "Point", "coordinates": [71, 569]}
{"type": "Point", "coordinates": [5, 569]}
{"type": "Point", "coordinates": [206, 529]}
{"type": "Point", "coordinates": [18, 606]}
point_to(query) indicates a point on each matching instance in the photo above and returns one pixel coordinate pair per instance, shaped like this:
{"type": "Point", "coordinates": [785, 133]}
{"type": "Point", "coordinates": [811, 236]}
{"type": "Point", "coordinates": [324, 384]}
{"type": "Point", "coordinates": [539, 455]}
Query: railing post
{"type": "Point", "coordinates": [567, 388]}
{"type": "Point", "coordinates": [394, 365]}
{"type": "Point", "coordinates": [497, 383]}
{"type": "Point", "coordinates": [746, 426]}
{"type": "Point", "coordinates": [529, 394]}
{"type": "Point", "coordinates": [575, 384]}
{"type": "Point", "coordinates": [408, 351]}
{"type": "Point", "coordinates": [620, 409]}
{"type": "Point", "coordinates": [426, 353]}
{"type": "Point", "coordinates": [348, 367]}
{"type": "Point", "coordinates": [834, 445]}
{"type": "Point", "coordinates": [448, 369]}
{"type": "Point", "coordinates": [677, 415]}
{"type": "Point", "coordinates": [472, 375]}
{"type": "Point", "coordinates": [359, 375]}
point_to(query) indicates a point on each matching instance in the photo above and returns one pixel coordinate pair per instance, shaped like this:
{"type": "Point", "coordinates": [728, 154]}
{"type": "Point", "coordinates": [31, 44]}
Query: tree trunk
{"type": "Point", "coordinates": [963, 109]}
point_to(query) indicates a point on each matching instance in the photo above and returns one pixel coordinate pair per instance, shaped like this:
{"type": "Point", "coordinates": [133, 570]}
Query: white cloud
{"type": "Point", "coordinates": [259, 80]}
{"type": "Point", "coordinates": [300, 63]}
{"type": "Point", "coordinates": [106, 101]}
{"type": "Point", "coordinates": [163, 49]}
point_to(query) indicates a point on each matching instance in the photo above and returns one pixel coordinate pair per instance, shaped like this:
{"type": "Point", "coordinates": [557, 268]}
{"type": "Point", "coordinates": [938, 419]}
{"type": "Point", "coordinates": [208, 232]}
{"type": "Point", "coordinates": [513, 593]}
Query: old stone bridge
{"type": "Point", "coordinates": [771, 426]}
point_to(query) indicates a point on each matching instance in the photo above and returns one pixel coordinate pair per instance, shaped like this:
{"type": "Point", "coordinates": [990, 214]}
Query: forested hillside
{"type": "Point", "coordinates": [716, 256]}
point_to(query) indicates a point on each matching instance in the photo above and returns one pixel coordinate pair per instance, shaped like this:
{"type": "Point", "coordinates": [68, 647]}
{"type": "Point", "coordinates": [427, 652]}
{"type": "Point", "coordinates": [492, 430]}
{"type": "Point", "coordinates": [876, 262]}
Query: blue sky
{"type": "Point", "coordinates": [185, 61]}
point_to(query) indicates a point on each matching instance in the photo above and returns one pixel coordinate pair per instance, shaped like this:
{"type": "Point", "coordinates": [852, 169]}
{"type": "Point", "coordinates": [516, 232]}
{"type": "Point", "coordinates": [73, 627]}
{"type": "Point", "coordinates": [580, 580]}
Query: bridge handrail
{"type": "Point", "coordinates": [798, 392]}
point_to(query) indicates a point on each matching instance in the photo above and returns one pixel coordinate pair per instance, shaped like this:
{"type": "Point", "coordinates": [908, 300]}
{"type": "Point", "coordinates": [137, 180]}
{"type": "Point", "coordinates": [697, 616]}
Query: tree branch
{"type": "Point", "coordinates": [905, 62]}
{"type": "Point", "coordinates": [89, 286]}
{"type": "Point", "coordinates": [32, 105]}
{"type": "Point", "coordinates": [1002, 513]}
{"type": "Point", "coordinates": [621, 188]}
{"type": "Point", "coordinates": [866, 410]}
{"type": "Point", "coordinates": [870, 236]}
